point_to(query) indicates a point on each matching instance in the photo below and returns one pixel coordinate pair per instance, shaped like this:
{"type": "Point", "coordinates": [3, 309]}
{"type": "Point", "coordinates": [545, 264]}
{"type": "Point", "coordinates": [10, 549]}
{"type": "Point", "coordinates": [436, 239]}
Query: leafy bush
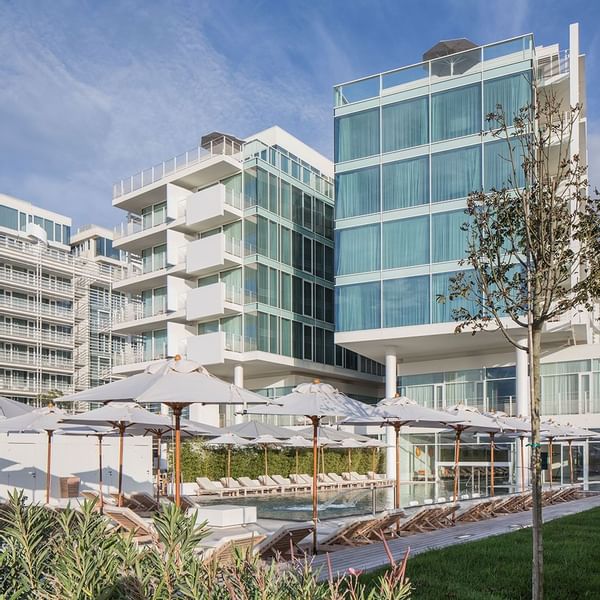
{"type": "Point", "coordinates": [198, 460]}
{"type": "Point", "coordinates": [75, 555]}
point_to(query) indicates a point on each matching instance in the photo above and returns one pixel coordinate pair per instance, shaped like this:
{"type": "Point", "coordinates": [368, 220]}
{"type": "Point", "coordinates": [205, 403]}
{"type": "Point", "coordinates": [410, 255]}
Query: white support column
{"type": "Point", "coordinates": [238, 379]}
{"type": "Point", "coordinates": [391, 386]}
{"type": "Point", "coordinates": [586, 465]}
{"type": "Point", "coordinates": [522, 409]}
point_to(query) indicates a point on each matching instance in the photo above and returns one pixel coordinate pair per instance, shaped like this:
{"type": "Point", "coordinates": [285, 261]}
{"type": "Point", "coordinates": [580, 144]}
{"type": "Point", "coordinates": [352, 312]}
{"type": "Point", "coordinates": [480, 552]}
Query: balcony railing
{"type": "Point", "coordinates": [34, 251]}
{"type": "Point", "coordinates": [552, 65]}
{"type": "Point", "coordinates": [233, 294]}
{"type": "Point", "coordinates": [21, 331]}
{"type": "Point", "coordinates": [31, 281]}
{"type": "Point", "coordinates": [31, 385]}
{"type": "Point", "coordinates": [26, 306]}
{"type": "Point", "coordinates": [233, 246]}
{"type": "Point", "coordinates": [220, 146]}
{"type": "Point", "coordinates": [31, 360]}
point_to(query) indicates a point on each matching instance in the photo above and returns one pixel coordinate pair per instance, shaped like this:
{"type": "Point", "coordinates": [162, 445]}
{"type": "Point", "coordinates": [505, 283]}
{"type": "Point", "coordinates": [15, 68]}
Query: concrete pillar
{"type": "Point", "coordinates": [586, 465]}
{"type": "Point", "coordinates": [522, 409]}
{"type": "Point", "coordinates": [391, 386]}
{"type": "Point", "coordinates": [238, 379]}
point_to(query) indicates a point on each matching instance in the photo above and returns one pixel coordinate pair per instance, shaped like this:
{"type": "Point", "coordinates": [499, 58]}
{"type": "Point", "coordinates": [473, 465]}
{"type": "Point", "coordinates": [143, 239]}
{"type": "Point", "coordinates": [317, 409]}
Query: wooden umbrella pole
{"type": "Point", "coordinates": [522, 439]}
{"type": "Point", "coordinates": [177, 414]}
{"type": "Point", "coordinates": [492, 464]}
{"type": "Point", "coordinates": [456, 461]}
{"type": "Point", "coordinates": [570, 442]}
{"type": "Point", "coordinates": [323, 459]}
{"type": "Point", "coordinates": [297, 462]}
{"type": "Point", "coordinates": [266, 462]}
{"type": "Point", "coordinates": [349, 460]}
{"type": "Point", "coordinates": [373, 463]}
{"type": "Point", "coordinates": [159, 436]}
{"type": "Point", "coordinates": [121, 427]}
{"type": "Point", "coordinates": [48, 465]}
{"type": "Point", "coordinates": [100, 482]}
{"type": "Point", "coordinates": [550, 461]}
{"type": "Point", "coordinates": [228, 465]}
{"type": "Point", "coordinates": [397, 499]}
{"type": "Point", "coordinates": [315, 506]}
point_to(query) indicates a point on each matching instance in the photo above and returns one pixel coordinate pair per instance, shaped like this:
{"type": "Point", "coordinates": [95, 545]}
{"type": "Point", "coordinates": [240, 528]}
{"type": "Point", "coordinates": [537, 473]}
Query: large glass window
{"type": "Point", "coordinates": [356, 135]}
{"type": "Point", "coordinates": [357, 249]}
{"type": "Point", "coordinates": [406, 301]}
{"type": "Point", "coordinates": [357, 193]}
{"type": "Point", "coordinates": [286, 246]}
{"type": "Point", "coordinates": [9, 217]}
{"type": "Point", "coordinates": [510, 93]}
{"type": "Point", "coordinates": [449, 241]}
{"type": "Point", "coordinates": [456, 112]}
{"type": "Point", "coordinates": [405, 124]}
{"type": "Point", "coordinates": [263, 188]}
{"type": "Point", "coordinates": [358, 306]}
{"type": "Point", "coordinates": [442, 311]}
{"type": "Point", "coordinates": [455, 173]}
{"type": "Point", "coordinates": [286, 291]}
{"type": "Point", "coordinates": [263, 236]}
{"type": "Point", "coordinates": [406, 242]}
{"type": "Point", "coordinates": [504, 165]}
{"type": "Point", "coordinates": [405, 183]}
{"type": "Point", "coordinates": [286, 200]}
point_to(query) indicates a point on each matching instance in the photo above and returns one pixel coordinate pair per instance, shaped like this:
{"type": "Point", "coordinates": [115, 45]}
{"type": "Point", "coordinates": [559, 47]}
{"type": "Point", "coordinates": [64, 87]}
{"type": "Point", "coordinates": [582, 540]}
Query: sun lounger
{"type": "Point", "coordinates": [350, 481]}
{"type": "Point", "coordinates": [286, 485]}
{"type": "Point", "coordinates": [128, 521]}
{"type": "Point", "coordinates": [477, 512]}
{"type": "Point", "coordinates": [325, 482]}
{"type": "Point", "coordinates": [427, 519]}
{"type": "Point", "coordinates": [93, 495]}
{"type": "Point", "coordinates": [284, 542]}
{"type": "Point", "coordinates": [350, 533]}
{"type": "Point", "coordinates": [232, 485]}
{"type": "Point", "coordinates": [130, 503]}
{"type": "Point", "coordinates": [206, 487]}
{"type": "Point", "coordinates": [359, 476]}
{"type": "Point", "coordinates": [146, 501]}
{"type": "Point", "coordinates": [268, 482]}
{"type": "Point", "coordinates": [340, 480]}
{"type": "Point", "coordinates": [227, 549]}
{"type": "Point", "coordinates": [253, 486]}
{"type": "Point", "coordinates": [379, 479]}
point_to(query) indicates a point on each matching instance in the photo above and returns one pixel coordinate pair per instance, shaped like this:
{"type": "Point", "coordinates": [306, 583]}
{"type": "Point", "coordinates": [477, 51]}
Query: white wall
{"type": "Point", "coordinates": [23, 463]}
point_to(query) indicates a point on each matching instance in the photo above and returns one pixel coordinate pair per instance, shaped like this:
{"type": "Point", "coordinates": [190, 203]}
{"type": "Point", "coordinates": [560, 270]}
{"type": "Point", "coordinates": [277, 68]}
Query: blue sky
{"type": "Point", "coordinates": [96, 90]}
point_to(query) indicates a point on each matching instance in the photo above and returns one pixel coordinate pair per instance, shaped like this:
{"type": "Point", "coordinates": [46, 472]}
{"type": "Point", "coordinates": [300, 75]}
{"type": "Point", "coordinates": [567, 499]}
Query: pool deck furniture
{"type": "Point", "coordinates": [94, 495]}
{"type": "Point", "coordinates": [428, 519]}
{"type": "Point", "coordinates": [225, 515]}
{"type": "Point", "coordinates": [232, 485]}
{"type": "Point", "coordinates": [283, 543]}
{"type": "Point", "coordinates": [147, 502]}
{"type": "Point", "coordinates": [286, 484]}
{"type": "Point", "coordinates": [374, 556]}
{"type": "Point", "coordinates": [253, 486]}
{"type": "Point", "coordinates": [206, 487]}
{"type": "Point", "coordinates": [268, 482]}
{"type": "Point", "coordinates": [225, 552]}
{"type": "Point", "coordinates": [130, 522]}
{"type": "Point", "coordinates": [350, 533]}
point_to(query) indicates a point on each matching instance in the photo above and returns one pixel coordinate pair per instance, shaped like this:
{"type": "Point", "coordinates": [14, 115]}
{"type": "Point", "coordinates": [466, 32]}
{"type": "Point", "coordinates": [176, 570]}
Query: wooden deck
{"type": "Point", "coordinates": [373, 556]}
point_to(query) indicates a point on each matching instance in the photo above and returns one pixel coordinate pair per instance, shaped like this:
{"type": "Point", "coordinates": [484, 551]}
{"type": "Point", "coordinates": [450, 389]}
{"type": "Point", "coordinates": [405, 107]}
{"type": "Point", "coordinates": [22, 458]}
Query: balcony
{"type": "Point", "coordinates": [551, 66]}
{"type": "Point", "coordinates": [211, 207]}
{"type": "Point", "coordinates": [29, 282]}
{"type": "Point", "coordinates": [21, 306]}
{"type": "Point", "coordinates": [27, 252]}
{"type": "Point", "coordinates": [132, 236]}
{"type": "Point", "coordinates": [134, 319]}
{"type": "Point", "coordinates": [31, 386]}
{"type": "Point", "coordinates": [212, 301]}
{"type": "Point", "coordinates": [29, 359]}
{"type": "Point", "coordinates": [213, 254]}
{"type": "Point", "coordinates": [21, 332]}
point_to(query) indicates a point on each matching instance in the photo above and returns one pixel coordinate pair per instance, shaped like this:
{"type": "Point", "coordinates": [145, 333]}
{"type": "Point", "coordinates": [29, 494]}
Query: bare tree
{"type": "Point", "coordinates": [533, 250]}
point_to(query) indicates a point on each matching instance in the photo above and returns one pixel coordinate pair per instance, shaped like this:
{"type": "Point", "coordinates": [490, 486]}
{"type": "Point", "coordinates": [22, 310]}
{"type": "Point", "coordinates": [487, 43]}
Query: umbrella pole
{"type": "Point", "coordinates": [297, 462]}
{"type": "Point", "coordinates": [550, 461]}
{"type": "Point", "coordinates": [373, 463]}
{"type": "Point", "coordinates": [121, 440]}
{"type": "Point", "coordinates": [456, 461]}
{"type": "Point", "coordinates": [100, 482]}
{"type": "Point", "coordinates": [522, 439]}
{"type": "Point", "coordinates": [177, 414]}
{"type": "Point", "coordinates": [266, 462]}
{"type": "Point", "coordinates": [159, 435]}
{"type": "Point", "coordinates": [397, 498]}
{"type": "Point", "coordinates": [570, 442]}
{"type": "Point", "coordinates": [228, 465]}
{"type": "Point", "coordinates": [492, 464]}
{"type": "Point", "coordinates": [48, 463]}
{"type": "Point", "coordinates": [315, 506]}
{"type": "Point", "coordinates": [349, 460]}
{"type": "Point", "coordinates": [323, 459]}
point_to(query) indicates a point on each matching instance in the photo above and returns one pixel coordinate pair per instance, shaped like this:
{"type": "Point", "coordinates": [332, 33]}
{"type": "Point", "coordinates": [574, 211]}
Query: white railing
{"type": "Point", "coordinates": [29, 359]}
{"type": "Point", "coordinates": [129, 227]}
{"type": "Point", "coordinates": [128, 357]}
{"type": "Point", "coordinates": [234, 199]}
{"type": "Point", "coordinates": [33, 250]}
{"type": "Point", "coordinates": [31, 281]}
{"type": "Point", "coordinates": [552, 65]}
{"type": "Point", "coordinates": [233, 246]}
{"type": "Point", "coordinates": [22, 305]}
{"type": "Point", "coordinates": [233, 294]}
{"type": "Point", "coordinates": [132, 270]}
{"type": "Point", "coordinates": [234, 342]}
{"type": "Point", "coordinates": [220, 146]}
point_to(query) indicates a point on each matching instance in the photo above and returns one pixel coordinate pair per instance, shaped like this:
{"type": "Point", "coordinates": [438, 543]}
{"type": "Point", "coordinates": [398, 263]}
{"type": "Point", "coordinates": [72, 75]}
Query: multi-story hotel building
{"type": "Point", "coordinates": [54, 304]}
{"type": "Point", "coordinates": [236, 245]}
{"type": "Point", "coordinates": [410, 145]}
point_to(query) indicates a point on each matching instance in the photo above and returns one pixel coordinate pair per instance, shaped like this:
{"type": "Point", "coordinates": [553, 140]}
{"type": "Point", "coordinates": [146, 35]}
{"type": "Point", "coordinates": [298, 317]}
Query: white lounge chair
{"type": "Point", "coordinates": [206, 487]}
{"type": "Point", "coordinates": [253, 486]}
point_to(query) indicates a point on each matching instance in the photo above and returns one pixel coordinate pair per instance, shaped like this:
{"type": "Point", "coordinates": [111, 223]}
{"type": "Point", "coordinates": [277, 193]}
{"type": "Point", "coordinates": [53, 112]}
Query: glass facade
{"type": "Point", "coordinates": [410, 146]}
{"type": "Point", "coordinates": [11, 218]}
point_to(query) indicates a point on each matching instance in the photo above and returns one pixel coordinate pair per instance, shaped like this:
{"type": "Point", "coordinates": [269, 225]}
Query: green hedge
{"type": "Point", "coordinates": [197, 460]}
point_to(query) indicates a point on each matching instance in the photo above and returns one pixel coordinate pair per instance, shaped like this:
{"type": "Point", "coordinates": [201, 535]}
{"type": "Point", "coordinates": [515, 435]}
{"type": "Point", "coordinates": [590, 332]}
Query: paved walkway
{"type": "Point", "coordinates": [373, 556]}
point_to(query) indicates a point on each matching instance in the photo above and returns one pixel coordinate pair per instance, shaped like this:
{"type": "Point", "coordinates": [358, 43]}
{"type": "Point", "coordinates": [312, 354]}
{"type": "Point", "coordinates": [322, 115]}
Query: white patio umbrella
{"type": "Point", "coordinates": [254, 429]}
{"type": "Point", "coordinates": [333, 434]}
{"type": "Point", "coordinates": [399, 412]}
{"type": "Point", "coordinates": [265, 442]}
{"type": "Point", "coordinates": [46, 420]}
{"type": "Point", "coordinates": [315, 401]}
{"type": "Point", "coordinates": [552, 430]}
{"type": "Point", "coordinates": [229, 441]}
{"type": "Point", "coordinates": [176, 383]}
{"type": "Point", "coordinates": [576, 433]}
{"type": "Point", "coordinates": [11, 408]}
{"type": "Point", "coordinates": [124, 417]}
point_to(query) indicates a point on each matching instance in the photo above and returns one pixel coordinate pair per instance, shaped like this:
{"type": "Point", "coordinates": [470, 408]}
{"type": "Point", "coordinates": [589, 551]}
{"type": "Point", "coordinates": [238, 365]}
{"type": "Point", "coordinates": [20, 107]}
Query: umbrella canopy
{"type": "Point", "coordinates": [196, 429]}
{"type": "Point", "coordinates": [48, 420]}
{"type": "Point", "coordinates": [452, 57]}
{"type": "Point", "coordinates": [298, 441]}
{"type": "Point", "coordinates": [315, 401]}
{"type": "Point", "coordinates": [11, 408]}
{"type": "Point", "coordinates": [332, 434]}
{"type": "Point", "coordinates": [254, 429]}
{"type": "Point", "coordinates": [176, 383]}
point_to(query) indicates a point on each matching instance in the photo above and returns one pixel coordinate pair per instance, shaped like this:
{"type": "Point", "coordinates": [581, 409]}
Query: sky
{"type": "Point", "coordinates": [93, 91]}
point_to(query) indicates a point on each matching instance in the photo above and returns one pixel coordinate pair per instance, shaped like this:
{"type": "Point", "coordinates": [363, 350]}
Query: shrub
{"type": "Point", "coordinates": [75, 555]}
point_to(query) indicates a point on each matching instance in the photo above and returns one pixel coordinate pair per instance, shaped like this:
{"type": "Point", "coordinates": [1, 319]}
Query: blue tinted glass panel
{"type": "Point", "coordinates": [449, 241]}
{"type": "Point", "coordinates": [405, 124]}
{"type": "Point", "coordinates": [405, 183]}
{"type": "Point", "coordinates": [406, 301]}
{"type": "Point", "coordinates": [406, 242]}
{"type": "Point", "coordinates": [356, 135]}
{"type": "Point", "coordinates": [441, 311]}
{"type": "Point", "coordinates": [455, 113]}
{"type": "Point", "coordinates": [357, 249]}
{"type": "Point", "coordinates": [455, 173]}
{"type": "Point", "coordinates": [507, 95]}
{"type": "Point", "coordinates": [66, 234]}
{"type": "Point", "coordinates": [358, 306]}
{"type": "Point", "coordinates": [9, 217]}
{"type": "Point", "coordinates": [503, 167]}
{"type": "Point", "coordinates": [357, 193]}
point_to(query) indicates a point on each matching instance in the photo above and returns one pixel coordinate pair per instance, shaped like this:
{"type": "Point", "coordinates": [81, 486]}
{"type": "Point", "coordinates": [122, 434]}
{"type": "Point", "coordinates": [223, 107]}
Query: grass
{"type": "Point", "coordinates": [499, 568]}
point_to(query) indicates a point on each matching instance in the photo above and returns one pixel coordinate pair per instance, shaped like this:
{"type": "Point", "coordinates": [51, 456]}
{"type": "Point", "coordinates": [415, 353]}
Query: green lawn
{"type": "Point", "coordinates": [499, 567]}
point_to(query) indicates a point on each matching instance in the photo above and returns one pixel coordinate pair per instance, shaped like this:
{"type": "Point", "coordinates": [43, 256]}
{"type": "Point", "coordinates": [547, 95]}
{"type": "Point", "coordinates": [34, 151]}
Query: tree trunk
{"type": "Point", "coordinates": [537, 572]}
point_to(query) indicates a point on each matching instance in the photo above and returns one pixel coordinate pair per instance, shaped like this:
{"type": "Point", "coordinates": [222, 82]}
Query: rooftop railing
{"type": "Point", "coordinates": [219, 146]}
{"type": "Point", "coordinates": [552, 65]}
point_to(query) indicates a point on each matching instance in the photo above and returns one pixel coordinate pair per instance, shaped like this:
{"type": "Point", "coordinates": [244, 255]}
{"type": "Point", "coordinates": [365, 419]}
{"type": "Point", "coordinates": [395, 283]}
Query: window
{"type": "Point", "coordinates": [319, 302]}
{"type": "Point", "coordinates": [286, 291]}
{"type": "Point", "coordinates": [357, 306]}
{"type": "Point", "coordinates": [319, 219]}
{"type": "Point", "coordinates": [442, 311]}
{"type": "Point", "coordinates": [273, 288]}
{"type": "Point", "coordinates": [286, 337]}
{"type": "Point", "coordinates": [329, 305]}
{"type": "Point", "coordinates": [263, 235]}
{"type": "Point", "coordinates": [286, 200]}
{"type": "Point", "coordinates": [319, 355]}
{"type": "Point", "coordinates": [286, 246]}
{"type": "Point", "coordinates": [250, 186]}
{"type": "Point", "coordinates": [406, 242]}
{"type": "Point", "coordinates": [297, 250]}
{"type": "Point", "coordinates": [357, 249]}
{"type": "Point", "coordinates": [9, 217]}
{"type": "Point", "coordinates": [449, 241]}
{"type": "Point", "coordinates": [501, 169]}
{"type": "Point", "coordinates": [308, 342]}
{"type": "Point", "coordinates": [405, 183]}
{"type": "Point", "coordinates": [455, 173]}
{"type": "Point", "coordinates": [511, 93]}
{"type": "Point", "coordinates": [263, 332]}
{"type": "Point", "coordinates": [273, 334]}
{"type": "Point", "coordinates": [319, 255]}
{"type": "Point", "coordinates": [307, 211]}
{"type": "Point", "coordinates": [456, 112]}
{"type": "Point", "coordinates": [405, 124]}
{"type": "Point", "coordinates": [297, 340]}
{"type": "Point", "coordinates": [356, 135]}
{"type": "Point", "coordinates": [308, 309]}
{"type": "Point", "coordinates": [297, 295]}
{"type": "Point", "coordinates": [329, 262]}
{"type": "Point", "coordinates": [273, 204]}
{"type": "Point", "coordinates": [296, 205]}
{"type": "Point", "coordinates": [263, 284]}
{"type": "Point", "coordinates": [357, 193]}
{"type": "Point", "coordinates": [262, 188]}
{"type": "Point", "coordinates": [273, 239]}
{"type": "Point", "coordinates": [406, 301]}
{"type": "Point", "coordinates": [307, 262]}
